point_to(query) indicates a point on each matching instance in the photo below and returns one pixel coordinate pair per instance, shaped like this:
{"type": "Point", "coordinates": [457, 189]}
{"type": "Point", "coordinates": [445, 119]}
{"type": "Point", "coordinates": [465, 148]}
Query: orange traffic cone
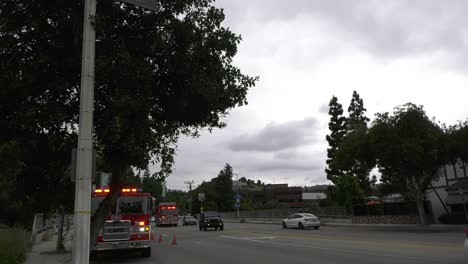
{"type": "Point", "coordinates": [160, 238]}
{"type": "Point", "coordinates": [174, 240]}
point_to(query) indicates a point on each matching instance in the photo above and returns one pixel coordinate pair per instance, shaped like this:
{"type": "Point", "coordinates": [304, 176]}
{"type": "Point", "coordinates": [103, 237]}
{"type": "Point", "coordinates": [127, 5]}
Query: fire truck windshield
{"type": "Point", "coordinates": [127, 204]}
{"type": "Point", "coordinates": [169, 211]}
{"type": "Point", "coordinates": [133, 204]}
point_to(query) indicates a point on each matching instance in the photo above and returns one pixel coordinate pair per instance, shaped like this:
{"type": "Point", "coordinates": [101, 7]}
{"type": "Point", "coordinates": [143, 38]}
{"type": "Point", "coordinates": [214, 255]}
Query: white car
{"type": "Point", "coordinates": [301, 221]}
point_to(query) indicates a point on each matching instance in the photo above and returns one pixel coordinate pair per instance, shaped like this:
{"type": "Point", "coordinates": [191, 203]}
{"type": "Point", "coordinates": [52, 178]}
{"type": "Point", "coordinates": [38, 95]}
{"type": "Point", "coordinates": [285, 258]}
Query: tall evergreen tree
{"type": "Point", "coordinates": [224, 191]}
{"type": "Point", "coordinates": [356, 126]}
{"type": "Point", "coordinates": [357, 119]}
{"type": "Point", "coordinates": [337, 132]}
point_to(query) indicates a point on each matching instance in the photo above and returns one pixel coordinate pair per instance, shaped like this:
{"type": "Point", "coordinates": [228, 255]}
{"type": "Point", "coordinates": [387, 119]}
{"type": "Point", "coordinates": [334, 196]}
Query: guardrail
{"type": "Point", "coordinates": [43, 222]}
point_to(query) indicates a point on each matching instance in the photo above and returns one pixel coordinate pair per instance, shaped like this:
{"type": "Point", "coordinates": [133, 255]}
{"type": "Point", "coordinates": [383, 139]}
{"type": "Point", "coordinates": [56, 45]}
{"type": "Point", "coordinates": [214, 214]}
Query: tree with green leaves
{"type": "Point", "coordinates": [357, 119]}
{"type": "Point", "coordinates": [152, 184]}
{"type": "Point", "coordinates": [158, 75]}
{"type": "Point", "coordinates": [337, 126]}
{"type": "Point", "coordinates": [354, 152]}
{"type": "Point", "coordinates": [211, 196]}
{"type": "Point", "coordinates": [348, 191]}
{"type": "Point", "coordinates": [410, 150]}
{"type": "Point", "coordinates": [224, 190]}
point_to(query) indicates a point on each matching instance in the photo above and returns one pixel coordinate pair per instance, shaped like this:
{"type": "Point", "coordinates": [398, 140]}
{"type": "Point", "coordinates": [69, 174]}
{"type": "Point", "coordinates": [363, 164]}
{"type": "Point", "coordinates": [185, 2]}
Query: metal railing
{"type": "Point", "coordinates": [43, 222]}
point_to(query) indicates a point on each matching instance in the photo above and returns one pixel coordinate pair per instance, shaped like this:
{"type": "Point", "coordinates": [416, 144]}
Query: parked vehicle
{"type": "Point", "coordinates": [301, 221]}
{"type": "Point", "coordinates": [128, 226]}
{"type": "Point", "coordinates": [189, 220]}
{"type": "Point", "coordinates": [210, 219]}
{"type": "Point", "coordinates": [167, 214]}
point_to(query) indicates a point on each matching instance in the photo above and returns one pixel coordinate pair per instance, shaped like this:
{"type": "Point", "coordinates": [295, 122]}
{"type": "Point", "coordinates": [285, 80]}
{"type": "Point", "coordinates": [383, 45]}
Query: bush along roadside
{"type": "Point", "coordinates": [14, 245]}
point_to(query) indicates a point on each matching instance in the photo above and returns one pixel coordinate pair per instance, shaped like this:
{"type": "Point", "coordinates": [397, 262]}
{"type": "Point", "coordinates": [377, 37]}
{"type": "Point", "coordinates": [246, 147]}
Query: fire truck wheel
{"type": "Point", "coordinates": [146, 252]}
{"type": "Point", "coordinates": [216, 228]}
{"type": "Point", "coordinates": [221, 228]}
{"type": "Point", "coordinates": [205, 228]}
{"type": "Point", "coordinates": [200, 228]}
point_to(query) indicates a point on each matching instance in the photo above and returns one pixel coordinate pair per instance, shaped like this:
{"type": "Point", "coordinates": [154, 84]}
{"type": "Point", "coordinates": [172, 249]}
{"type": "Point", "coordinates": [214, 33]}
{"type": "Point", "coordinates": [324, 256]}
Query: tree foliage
{"type": "Point", "coordinates": [158, 75]}
{"type": "Point", "coordinates": [354, 155]}
{"type": "Point", "coordinates": [357, 119]}
{"type": "Point", "coordinates": [224, 190]}
{"type": "Point", "coordinates": [337, 128]}
{"type": "Point", "coordinates": [409, 149]}
{"type": "Point", "coordinates": [348, 191]}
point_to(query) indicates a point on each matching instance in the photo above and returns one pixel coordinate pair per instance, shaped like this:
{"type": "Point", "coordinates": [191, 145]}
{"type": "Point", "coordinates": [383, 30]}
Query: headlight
{"type": "Point", "coordinates": [142, 229]}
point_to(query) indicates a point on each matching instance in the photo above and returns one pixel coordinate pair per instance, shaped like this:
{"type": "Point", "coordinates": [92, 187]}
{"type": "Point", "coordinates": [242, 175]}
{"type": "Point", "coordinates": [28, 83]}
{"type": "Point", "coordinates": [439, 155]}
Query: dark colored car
{"type": "Point", "coordinates": [210, 220]}
{"type": "Point", "coordinates": [189, 220]}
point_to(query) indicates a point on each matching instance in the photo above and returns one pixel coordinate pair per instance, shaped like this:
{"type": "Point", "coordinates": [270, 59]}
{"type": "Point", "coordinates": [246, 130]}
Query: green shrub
{"type": "Point", "coordinates": [14, 244]}
{"type": "Point", "coordinates": [453, 219]}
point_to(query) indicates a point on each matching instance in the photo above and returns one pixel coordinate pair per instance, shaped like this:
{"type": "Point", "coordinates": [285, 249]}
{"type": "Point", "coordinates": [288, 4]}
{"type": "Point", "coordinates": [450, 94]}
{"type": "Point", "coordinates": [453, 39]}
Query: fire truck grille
{"type": "Point", "coordinates": [119, 230]}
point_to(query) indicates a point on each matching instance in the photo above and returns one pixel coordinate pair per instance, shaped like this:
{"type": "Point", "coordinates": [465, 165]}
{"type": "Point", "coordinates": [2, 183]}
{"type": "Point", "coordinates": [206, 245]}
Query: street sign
{"type": "Point", "coordinates": [147, 4]}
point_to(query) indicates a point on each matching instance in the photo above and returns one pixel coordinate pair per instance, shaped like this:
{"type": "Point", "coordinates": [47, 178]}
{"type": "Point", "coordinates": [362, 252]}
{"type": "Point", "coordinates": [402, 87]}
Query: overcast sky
{"type": "Point", "coordinates": [305, 51]}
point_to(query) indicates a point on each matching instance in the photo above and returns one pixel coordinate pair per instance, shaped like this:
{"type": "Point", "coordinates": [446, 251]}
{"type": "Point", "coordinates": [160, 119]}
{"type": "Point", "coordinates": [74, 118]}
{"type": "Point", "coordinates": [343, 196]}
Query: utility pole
{"type": "Point", "coordinates": [81, 236]}
{"type": "Point", "coordinates": [190, 183]}
{"type": "Point", "coordinates": [237, 195]}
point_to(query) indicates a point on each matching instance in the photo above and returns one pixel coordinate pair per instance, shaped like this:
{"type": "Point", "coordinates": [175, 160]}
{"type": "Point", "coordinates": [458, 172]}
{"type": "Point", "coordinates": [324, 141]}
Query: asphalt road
{"type": "Point", "coordinates": [261, 243]}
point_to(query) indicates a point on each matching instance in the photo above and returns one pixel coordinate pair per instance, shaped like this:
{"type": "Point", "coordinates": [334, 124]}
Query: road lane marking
{"type": "Point", "coordinates": [374, 242]}
{"type": "Point", "coordinates": [322, 248]}
{"type": "Point", "coordinates": [259, 237]}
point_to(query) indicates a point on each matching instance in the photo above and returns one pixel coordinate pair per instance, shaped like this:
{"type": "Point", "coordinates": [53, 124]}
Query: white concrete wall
{"type": "Point", "coordinates": [446, 178]}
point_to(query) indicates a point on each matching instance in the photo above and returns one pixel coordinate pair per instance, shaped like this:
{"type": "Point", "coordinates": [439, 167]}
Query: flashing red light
{"type": "Point", "coordinates": [141, 223]}
{"type": "Point", "coordinates": [98, 191]}
{"type": "Point", "coordinates": [106, 190]}
{"type": "Point", "coordinates": [134, 190]}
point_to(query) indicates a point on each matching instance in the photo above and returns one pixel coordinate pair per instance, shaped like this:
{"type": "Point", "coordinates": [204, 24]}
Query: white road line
{"type": "Point", "coordinates": [258, 237]}
{"type": "Point", "coordinates": [321, 248]}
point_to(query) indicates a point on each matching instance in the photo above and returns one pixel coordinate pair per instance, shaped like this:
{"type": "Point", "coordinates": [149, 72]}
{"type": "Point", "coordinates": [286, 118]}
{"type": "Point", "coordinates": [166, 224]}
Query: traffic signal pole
{"type": "Point", "coordinates": [81, 232]}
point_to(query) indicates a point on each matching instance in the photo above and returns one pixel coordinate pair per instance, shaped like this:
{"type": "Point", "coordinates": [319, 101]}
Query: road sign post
{"type": "Point", "coordinates": [237, 203]}
{"type": "Point", "coordinates": [201, 198]}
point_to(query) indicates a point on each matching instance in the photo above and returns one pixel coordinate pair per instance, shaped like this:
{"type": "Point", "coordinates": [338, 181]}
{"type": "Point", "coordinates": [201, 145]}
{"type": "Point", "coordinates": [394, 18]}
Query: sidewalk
{"type": "Point", "coordinates": [43, 251]}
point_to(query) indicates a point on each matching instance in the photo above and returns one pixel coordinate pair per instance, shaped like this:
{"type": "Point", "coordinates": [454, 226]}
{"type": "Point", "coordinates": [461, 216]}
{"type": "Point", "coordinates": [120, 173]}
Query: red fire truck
{"type": "Point", "coordinates": [167, 214]}
{"type": "Point", "coordinates": [128, 227]}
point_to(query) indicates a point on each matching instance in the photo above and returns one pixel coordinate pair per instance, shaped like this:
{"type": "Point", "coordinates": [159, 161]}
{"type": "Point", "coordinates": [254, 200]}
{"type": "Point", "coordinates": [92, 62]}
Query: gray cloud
{"type": "Point", "coordinates": [275, 136]}
{"type": "Point", "coordinates": [284, 166]}
{"type": "Point", "coordinates": [386, 28]}
{"type": "Point", "coordinates": [323, 109]}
